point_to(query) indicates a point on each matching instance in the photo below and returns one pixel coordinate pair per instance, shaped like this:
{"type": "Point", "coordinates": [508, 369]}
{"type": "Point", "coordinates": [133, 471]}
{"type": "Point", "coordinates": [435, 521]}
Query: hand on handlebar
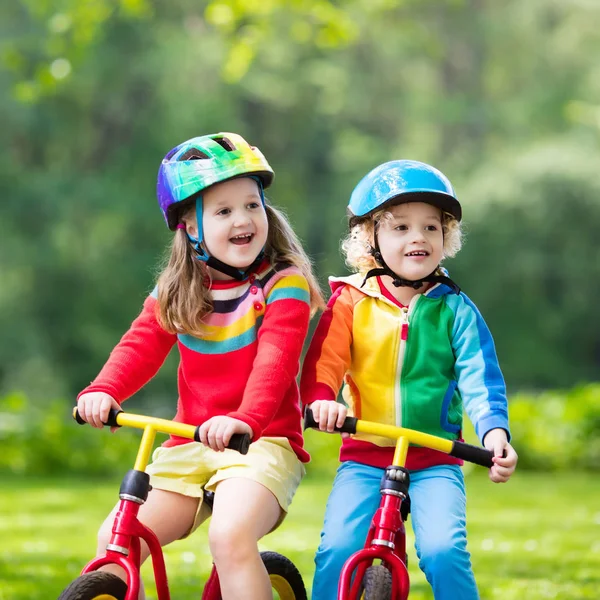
{"type": "Point", "coordinates": [329, 414]}
{"type": "Point", "coordinates": [94, 407]}
{"type": "Point", "coordinates": [505, 457]}
{"type": "Point", "coordinates": [217, 431]}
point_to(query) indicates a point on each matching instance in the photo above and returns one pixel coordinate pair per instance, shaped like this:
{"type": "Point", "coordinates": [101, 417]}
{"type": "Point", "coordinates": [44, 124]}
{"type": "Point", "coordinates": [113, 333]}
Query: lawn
{"type": "Point", "coordinates": [536, 538]}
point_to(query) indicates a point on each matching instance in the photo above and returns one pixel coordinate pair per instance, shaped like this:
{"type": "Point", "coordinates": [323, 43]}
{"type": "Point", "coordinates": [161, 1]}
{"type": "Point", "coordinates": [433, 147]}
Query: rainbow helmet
{"type": "Point", "coordinates": [196, 164]}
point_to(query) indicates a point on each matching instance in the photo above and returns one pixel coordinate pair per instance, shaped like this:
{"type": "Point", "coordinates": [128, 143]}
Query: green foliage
{"type": "Point", "coordinates": [50, 39]}
{"type": "Point", "coordinates": [53, 39]}
{"type": "Point", "coordinates": [41, 440]}
{"type": "Point", "coordinates": [530, 262]}
{"type": "Point", "coordinates": [501, 96]}
{"type": "Point", "coordinates": [557, 432]}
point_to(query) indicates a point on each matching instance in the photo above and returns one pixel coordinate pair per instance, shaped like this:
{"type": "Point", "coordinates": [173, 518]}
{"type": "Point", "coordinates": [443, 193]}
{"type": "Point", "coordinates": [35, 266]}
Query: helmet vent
{"type": "Point", "coordinates": [225, 143]}
{"type": "Point", "coordinates": [194, 154]}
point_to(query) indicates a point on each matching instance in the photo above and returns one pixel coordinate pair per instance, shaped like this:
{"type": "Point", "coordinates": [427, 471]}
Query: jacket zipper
{"type": "Point", "coordinates": [404, 323]}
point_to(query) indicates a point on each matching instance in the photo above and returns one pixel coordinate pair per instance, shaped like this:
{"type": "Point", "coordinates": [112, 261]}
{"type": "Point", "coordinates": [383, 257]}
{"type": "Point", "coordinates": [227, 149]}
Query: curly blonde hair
{"type": "Point", "coordinates": [358, 244]}
{"type": "Point", "coordinates": [184, 283]}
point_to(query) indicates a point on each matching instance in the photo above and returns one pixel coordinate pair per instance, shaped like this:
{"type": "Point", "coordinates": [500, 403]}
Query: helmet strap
{"type": "Point", "coordinates": [217, 265]}
{"type": "Point", "coordinates": [400, 281]}
{"type": "Point", "coordinates": [260, 188]}
{"type": "Point", "coordinates": [415, 284]}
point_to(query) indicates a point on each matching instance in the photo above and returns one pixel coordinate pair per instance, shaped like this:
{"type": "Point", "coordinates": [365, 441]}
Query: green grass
{"type": "Point", "coordinates": [535, 538]}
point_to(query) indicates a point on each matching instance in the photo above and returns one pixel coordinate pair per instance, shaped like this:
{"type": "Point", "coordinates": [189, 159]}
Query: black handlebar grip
{"type": "Point", "coordinates": [474, 454]}
{"type": "Point", "coordinates": [309, 419]}
{"type": "Point", "coordinates": [349, 425]}
{"type": "Point", "coordinates": [111, 421]}
{"type": "Point", "coordinates": [77, 416]}
{"type": "Point", "coordinates": [239, 441]}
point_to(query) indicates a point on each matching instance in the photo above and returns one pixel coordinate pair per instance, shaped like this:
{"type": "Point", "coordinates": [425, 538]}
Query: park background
{"type": "Point", "coordinates": [503, 97]}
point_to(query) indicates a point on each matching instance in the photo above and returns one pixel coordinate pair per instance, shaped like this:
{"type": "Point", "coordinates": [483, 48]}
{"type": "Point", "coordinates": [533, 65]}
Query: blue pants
{"type": "Point", "coordinates": [438, 507]}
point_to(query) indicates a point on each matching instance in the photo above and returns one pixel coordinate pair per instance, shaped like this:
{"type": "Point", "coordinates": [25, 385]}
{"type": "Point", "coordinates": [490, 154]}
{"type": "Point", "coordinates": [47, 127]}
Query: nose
{"type": "Point", "coordinates": [241, 218]}
{"type": "Point", "coordinates": [418, 237]}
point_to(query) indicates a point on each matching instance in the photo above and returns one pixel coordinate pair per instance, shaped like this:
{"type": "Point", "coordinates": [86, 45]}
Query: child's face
{"type": "Point", "coordinates": [411, 241]}
{"type": "Point", "coordinates": [234, 222]}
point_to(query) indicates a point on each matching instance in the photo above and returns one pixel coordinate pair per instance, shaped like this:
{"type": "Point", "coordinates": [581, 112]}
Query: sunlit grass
{"type": "Point", "coordinates": [535, 538]}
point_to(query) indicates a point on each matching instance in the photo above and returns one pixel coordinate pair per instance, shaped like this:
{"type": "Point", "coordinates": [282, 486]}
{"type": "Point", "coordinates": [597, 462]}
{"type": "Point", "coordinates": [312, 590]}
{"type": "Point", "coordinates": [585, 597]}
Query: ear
{"type": "Point", "coordinates": [191, 228]}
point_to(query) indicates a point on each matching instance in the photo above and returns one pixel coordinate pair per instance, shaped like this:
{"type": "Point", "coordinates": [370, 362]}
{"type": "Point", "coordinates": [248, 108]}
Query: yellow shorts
{"type": "Point", "coordinates": [188, 469]}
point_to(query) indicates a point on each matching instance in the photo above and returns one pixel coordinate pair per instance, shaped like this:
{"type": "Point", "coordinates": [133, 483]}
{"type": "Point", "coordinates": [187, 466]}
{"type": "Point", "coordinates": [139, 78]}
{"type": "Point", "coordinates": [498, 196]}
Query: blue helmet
{"type": "Point", "coordinates": [400, 181]}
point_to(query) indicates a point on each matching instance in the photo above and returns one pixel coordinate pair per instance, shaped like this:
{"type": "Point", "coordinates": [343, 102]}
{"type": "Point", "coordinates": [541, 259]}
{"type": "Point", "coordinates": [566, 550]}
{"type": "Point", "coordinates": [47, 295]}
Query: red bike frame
{"type": "Point", "coordinates": [124, 550]}
{"type": "Point", "coordinates": [124, 546]}
{"type": "Point", "coordinates": [386, 539]}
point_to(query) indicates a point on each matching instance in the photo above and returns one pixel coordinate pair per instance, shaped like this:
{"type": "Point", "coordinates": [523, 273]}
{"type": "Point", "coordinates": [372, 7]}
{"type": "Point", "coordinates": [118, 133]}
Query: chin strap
{"type": "Point", "coordinates": [400, 281]}
{"type": "Point", "coordinates": [215, 263]}
{"type": "Point", "coordinates": [415, 284]}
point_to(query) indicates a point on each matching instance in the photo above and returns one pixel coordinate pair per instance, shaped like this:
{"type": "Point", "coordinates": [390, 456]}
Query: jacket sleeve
{"type": "Point", "coordinates": [479, 379]}
{"type": "Point", "coordinates": [136, 358]}
{"type": "Point", "coordinates": [328, 357]}
{"type": "Point", "coordinates": [280, 339]}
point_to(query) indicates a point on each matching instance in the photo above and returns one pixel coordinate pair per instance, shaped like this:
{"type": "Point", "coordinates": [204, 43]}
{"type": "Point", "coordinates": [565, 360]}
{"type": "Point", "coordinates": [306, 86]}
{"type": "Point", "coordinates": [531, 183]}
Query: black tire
{"type": "Point", "coordinates": [377, 583]}
{"type": "Point", "coordinates": [285, 577]}
{"type": "Point", "coordinates": [95, 585]}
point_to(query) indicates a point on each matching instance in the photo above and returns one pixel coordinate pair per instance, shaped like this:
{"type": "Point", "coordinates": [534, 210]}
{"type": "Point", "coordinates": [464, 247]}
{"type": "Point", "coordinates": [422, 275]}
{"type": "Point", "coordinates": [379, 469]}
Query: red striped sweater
{"type": "Point", "coordinates": [246, 365]}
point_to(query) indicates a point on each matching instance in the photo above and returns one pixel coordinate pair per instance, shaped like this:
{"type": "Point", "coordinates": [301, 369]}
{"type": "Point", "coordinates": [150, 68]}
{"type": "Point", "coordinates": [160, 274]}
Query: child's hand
{"type": "Point", "coordinates": [216, 432]}
{"type": "Point", "coordinates": [503, 467]}
{"type": "Point", "coordinates": [329, 414]}
{"type": "Point", "coordinates": [94, 407]}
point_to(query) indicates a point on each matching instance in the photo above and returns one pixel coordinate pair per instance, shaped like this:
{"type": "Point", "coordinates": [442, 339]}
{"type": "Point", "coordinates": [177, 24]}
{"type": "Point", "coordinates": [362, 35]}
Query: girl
{"type": "Point", "coordinates": [412, 351]}
{"type": "Point", "coordinates": [236, 296]}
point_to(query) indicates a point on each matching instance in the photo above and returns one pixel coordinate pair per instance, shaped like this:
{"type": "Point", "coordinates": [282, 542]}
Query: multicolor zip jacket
{"type": "Point", "coordinates": [244, 367]}
{"type": "Point", "coordinates": [414, 367]}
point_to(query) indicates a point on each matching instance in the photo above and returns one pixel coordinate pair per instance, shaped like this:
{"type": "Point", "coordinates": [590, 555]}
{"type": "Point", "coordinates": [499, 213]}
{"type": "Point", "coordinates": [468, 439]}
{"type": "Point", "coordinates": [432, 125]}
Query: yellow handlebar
{"type": "Point", "coordinates": [404, 437]}
{"type": "Point", "coordinates": [119, 418]}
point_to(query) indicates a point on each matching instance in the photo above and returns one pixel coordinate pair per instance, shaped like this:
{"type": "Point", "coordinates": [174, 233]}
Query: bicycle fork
{"type": "Point", "coordinates": [386, 539]}
{"type": "Point", "coordinates": [124, 546]}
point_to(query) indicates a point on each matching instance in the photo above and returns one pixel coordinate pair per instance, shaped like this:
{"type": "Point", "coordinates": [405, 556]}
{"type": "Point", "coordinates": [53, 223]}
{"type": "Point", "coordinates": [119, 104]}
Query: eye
{"type": "Point", "coordinates": [253, 205]}
{"type": "Point", "coordinates": [223, 212]}
{"type": "Point", "coordinates": [431, 228]}
{"type": "Point", "coordinates": [401, 228]}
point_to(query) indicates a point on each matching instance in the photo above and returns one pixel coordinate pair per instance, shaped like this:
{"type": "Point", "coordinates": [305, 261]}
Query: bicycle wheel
{"type": "Point", "coordinates": [97, 585]}
{"type": "Point", "coordinates": [377, 583]}
{"type": "Point", "coordinates": [286, 580]}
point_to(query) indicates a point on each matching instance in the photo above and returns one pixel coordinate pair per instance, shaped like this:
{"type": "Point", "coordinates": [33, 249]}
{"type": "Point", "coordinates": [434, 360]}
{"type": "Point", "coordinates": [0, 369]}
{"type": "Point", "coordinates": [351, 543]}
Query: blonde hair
{"type": "Point", "coordinates": [357, 246]}
{"type": "Point", "coordinates": [184, 283]}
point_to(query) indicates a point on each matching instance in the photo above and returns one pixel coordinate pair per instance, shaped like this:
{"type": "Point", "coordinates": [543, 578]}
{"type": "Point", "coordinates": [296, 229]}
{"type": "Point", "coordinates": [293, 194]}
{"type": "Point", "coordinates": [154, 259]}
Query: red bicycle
{"type": "Point", "coordinates": [127, 531]}
{"type": "Point", "coordinates": [361, 578]}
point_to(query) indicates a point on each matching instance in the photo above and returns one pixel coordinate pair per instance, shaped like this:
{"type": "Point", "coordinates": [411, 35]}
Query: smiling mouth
{"type": "Point", "coordinates": [242, 240]}
{"type": "Point", "coordinates": [417, 253]}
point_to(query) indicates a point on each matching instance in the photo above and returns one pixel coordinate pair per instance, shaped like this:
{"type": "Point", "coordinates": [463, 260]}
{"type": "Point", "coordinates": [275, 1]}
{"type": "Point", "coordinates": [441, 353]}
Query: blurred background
{"type": "Point", "coordinates": [504, 98]}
